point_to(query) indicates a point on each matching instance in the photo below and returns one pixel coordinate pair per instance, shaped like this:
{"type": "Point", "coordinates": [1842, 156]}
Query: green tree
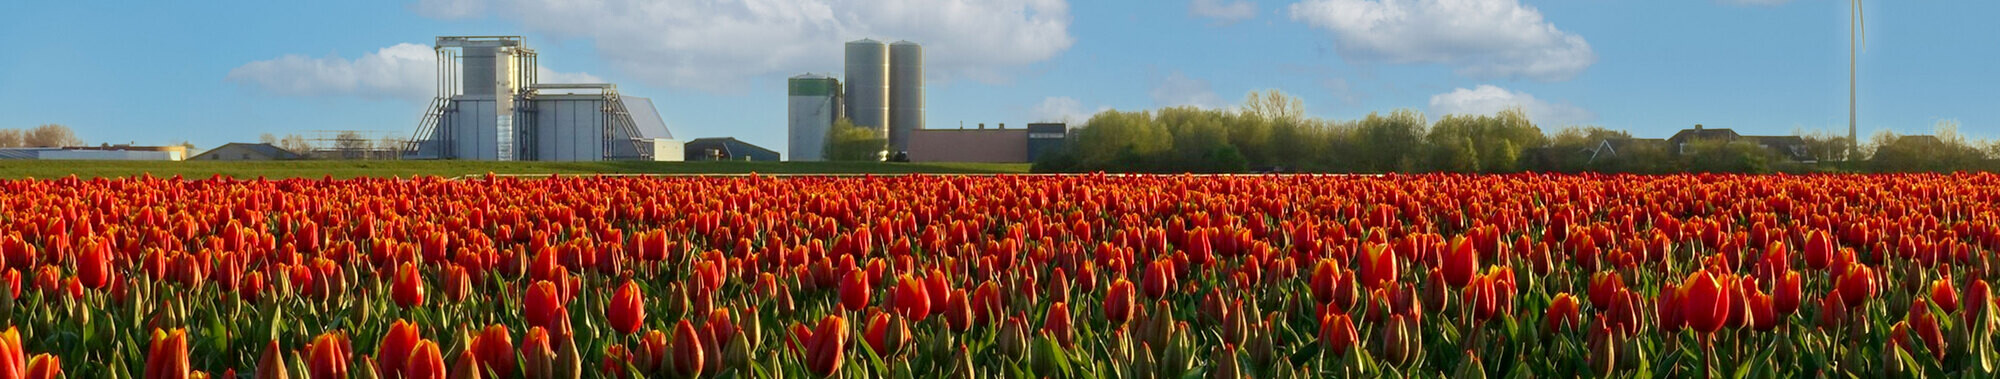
{"type": "Point", "coordinates": [847, 142]}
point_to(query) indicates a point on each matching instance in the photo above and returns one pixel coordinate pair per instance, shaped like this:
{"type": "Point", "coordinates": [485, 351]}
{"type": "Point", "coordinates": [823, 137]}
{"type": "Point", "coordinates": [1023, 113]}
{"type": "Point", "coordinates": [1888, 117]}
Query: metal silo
{"type": "Point", "coordinates": [906, 93]}
{"type": "Point", "coordinates": [812, 101]}
{"type": "Point", "coordinates": [868, 84]}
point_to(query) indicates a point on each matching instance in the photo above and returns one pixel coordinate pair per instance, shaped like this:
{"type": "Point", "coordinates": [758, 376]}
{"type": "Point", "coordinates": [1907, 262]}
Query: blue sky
{"type": "Point", "coordinates": [225, 71]}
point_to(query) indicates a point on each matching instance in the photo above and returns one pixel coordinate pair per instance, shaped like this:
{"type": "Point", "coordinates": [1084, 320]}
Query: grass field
{"type": "Point", "coordinates": [16, 169]}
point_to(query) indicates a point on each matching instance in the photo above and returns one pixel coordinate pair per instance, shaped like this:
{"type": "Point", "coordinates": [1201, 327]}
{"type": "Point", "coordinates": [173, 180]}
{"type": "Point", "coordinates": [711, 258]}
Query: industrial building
{"type": "Point", "coordinates": [97, 153]}
{"type": "Point", "coordinates": [490, 106]}
{"type": "Point", "coordinates": [728, 149]}
{"type": "Point", "coordinates": [884, 91]}
{"type": "Point", "coordinates": [813, 105]}
{"type": "Point", "coordinates": [998, 145]}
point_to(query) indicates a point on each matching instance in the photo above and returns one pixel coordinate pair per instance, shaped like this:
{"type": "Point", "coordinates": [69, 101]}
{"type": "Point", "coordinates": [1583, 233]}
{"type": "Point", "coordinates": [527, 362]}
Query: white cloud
{"type": "Point", "coordinates": [1063, 109]}
{"type": "Point", "coordinates": [1488, 99]}
{"type": "Point", "coordinates": [717, 45]}
{"type": "Point", "coordinates": [1178, 89]}
{"type": "Point", "coordinates": [1478, 38]}
{"type": "Point", "coordinates": [403, 71]}
{"type": "Point", "coordinates": [1223, 11]}
{"type": "Point", "coordinates": [448, 9]}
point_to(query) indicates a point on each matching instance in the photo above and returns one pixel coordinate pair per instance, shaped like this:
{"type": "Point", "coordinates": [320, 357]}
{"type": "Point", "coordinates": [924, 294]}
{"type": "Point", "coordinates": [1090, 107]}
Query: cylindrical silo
{"type": "Point", "coordinates": [868, 84]}
{"type": "Point", "coordinates": [906, 93]}
{"type": "Point", "coordinates": [812, 102]}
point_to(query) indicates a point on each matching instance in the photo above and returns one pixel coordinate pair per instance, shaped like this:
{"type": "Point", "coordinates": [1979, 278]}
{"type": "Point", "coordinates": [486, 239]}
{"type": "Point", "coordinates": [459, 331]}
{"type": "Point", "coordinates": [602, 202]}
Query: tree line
{"type": "Point", "coordinates": [1269, 132]}
{"type": "Point", "coordinates": [46, 135]}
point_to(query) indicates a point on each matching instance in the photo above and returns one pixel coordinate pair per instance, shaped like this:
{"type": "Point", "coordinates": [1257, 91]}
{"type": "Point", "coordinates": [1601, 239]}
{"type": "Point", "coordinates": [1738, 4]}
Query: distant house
{"type": "Point", "coordinates": [1790, 147]}
{"type": "Point", "coordinates": [238, 151]}
{"type": "Point", "coordinates": [105, 152]}
{"type": "Point", "coordinates": [1611, 147]}
{"type": "Point", "coordinates": [727, 149]}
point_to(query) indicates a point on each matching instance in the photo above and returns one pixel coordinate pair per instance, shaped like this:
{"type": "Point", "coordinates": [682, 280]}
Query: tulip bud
{"type": "Point", "coordinates": [271, 364]}
{"type": "Point", "coordinates": [687, 351]}
{"type": "Point", "coordinates": [737, 355]}
{"type": "Point", "coordinates": [467, 367]}
{"type": "Point", "coordinates": [1014, 338]}
{"type": "Point", "coordinates": [537, 357]}
{"type": "Point", "coordinates": [1226, 367]}
{"type": "Point", "coordinates": [962, 365]}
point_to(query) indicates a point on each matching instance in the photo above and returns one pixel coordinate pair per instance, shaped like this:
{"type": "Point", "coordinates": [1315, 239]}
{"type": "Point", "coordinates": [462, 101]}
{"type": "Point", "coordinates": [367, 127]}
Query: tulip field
{"type": "Point", "coordinates": [923, 276]}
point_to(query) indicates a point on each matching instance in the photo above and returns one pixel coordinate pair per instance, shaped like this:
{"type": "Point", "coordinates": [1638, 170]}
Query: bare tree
{"type": "Point", "coordinates": [51, 135]}
{"type": "Point", "coordinates": [295, 143]}
{"type": "Point", "coordinates": [352, 145]}
{"type": "Point", "coordinates": [268, 138]}
{"type": "Point", "coordinates": [392, 147]}
{"type": "Point", "coordinates": [11, 138]}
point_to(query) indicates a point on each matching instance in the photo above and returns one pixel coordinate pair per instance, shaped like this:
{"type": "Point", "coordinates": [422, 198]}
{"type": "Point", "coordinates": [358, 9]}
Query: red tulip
{"type": "Point", "coordinates": [424, 362]}
{"type": "Point", "coordinates": [1461, 263]}
{"type": "Point", "coordinates": [1057, 322]}
{"type": "Point", "coordinates": [1604, 285]}
{"type": "Point", "coordinates": [1944, 295]}
{"type": "Point", "coordinates": [854, 290]}
{"type": "Point", "coordinates": [13, 360]}
{"type": "Point", "coordinates": [1978, 302]}
{"type": "Point", "coordinates": [43, 366]}
{"type": "Point", "coordinates": [1704, 302]}
{"type": "Point", "coordinates": [1563, 312]}
{"type": "Point", "coordinates": [687, 350]}
{"type": "Point", "coordinates": [958, 311]}
{"type": "Point", "coordinates": [627, 309]}
{"type": "Point", "coordinates": [1788, 293]}
{"type": "Point", "coordinates": [395, 348]}
{"type": "Point", "coordinates": [327, 357]}
{"type": "Point", "coordinates": [457, 283]}
{"type": "Point", "coordinates": [1118, 301]}
{"type": "Point", "coordinates": [1763, 311]}
{"type": "Point", "coordinates": [1378, 266]}
{"type": "Point", "coordinates": [939, 288]}
{"type": "Point", "coordinates": [1819, 250]}
{"type": "Point", "coordinates": [654, 348]}
{"type": "Point", "coordinates": [1159, 279]}
{"type": "Point", "coordinates": [1857, 285]}
{"type": "Point", "coordinates": [1832, 311]}
{"type": "Point", "coordinates": [1926, 326]}
{"type": "Point", "coordinates": [986, 303]}
{"type": "Point", "coordinates": [167, 357]}
{"type": "Point", "coordinates": [1336, 332]}
{"type": "Point", "coordinates": [408, 287]}
{"type": "Point", "coordinates": [93, 267]}
{"type": "Point", "coordinates": [887, 334]}
{"type": "Point", "coordinates": [537, 356]}
{"type": "Point", "coordinates": [543, 304]}
{"type": "Point", "coordinates": [910, 300]}
{"type": "Point", "coordinates": [495, 350]}
{"type": "Point", "coordinates": [823, 354]}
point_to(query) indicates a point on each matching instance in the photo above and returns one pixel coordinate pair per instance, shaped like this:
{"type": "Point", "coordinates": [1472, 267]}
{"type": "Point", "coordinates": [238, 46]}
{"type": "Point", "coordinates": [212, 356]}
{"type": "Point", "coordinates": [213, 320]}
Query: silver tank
{"type": "Point", "coordinates": [868, 84]}
{"type": "Point", "coordinates": [906, 93]}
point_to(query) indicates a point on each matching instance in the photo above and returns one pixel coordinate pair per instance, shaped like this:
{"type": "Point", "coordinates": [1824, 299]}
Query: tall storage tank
{"type": "Point", "coordinates": [811, 104]}
{"type": "Point", "coordinates": [906, 93]}
{"type": "Point", "coordinates": [868, 84]}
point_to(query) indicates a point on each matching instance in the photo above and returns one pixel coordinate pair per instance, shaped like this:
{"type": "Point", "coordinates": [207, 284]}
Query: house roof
{"type": "Point", "coordinates": [727, 142]}
{"type": "Point", "coordinates": [261, 148]}
{"type": "Point", "coordinates": [1705, 133]}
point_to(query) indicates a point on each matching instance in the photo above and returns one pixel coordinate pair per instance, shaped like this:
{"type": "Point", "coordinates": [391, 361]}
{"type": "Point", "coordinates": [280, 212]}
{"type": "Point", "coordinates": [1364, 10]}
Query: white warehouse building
{"type": "Point", "coordinates": [490, 107]}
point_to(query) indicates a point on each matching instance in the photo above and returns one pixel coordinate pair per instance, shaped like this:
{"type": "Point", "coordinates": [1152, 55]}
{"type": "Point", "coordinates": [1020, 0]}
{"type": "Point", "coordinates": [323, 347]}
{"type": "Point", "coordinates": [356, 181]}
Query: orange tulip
{"type": "Point", "coordinates": [271, 363]}
{"type": "Point", "coordinates": [687, 350]}
{"type": "Point", "coordinates": [93, 267]}
{"type": "Point", "coordinates": [13, 360]}
{"type": "Point", "coordinates": [829, 340]}
{"type": "Point", "coordinates": [1461, 263]}
{"type": "Point", "coordinates": [1057, 322]}
{"type": "Point", "coordinates": [543, 305]}
{"type": "Point", "coordinates": [627, 309]}
{"type": "Point", "coordinates": [1704, 302]}
{"type": "Point", "coordinates": [1563, 313]}
{"type": "Point", "coordinates": [1944, 295]}
{"type": "Point", "coordinates": [408, 287]}
{"type": "Point", "coordinates": [854, 290]}
{"type": "Point", "coordinates": [1378, 266]}
{"type": "Point", "coordinates": [167, 357]}
{"type": "Point", "coordinates": [44, 366]}
{"type": "Point", "coordinates": [424, 362]}
{"type": "Point", "coordinates": [1118, 301]}
{"type": "Point", "coordinates": [958, 311]}
{"type": "Point", "coordinates": [495, 350]}
{"type": "Point", "coordinates": [327, 357]}
{"type": "Point", "coordinates": [1789, 293]}
{"type": "Point", "coordinates": [395, 348]}
{"type": "Point", "coordinates": [1336, 332]}
{"type": "Point", "coordinates": [909, 300]}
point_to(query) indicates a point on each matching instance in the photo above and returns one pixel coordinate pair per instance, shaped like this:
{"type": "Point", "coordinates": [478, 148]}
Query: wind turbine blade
{"type": "Point", "coordinates": [1860, 23]}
